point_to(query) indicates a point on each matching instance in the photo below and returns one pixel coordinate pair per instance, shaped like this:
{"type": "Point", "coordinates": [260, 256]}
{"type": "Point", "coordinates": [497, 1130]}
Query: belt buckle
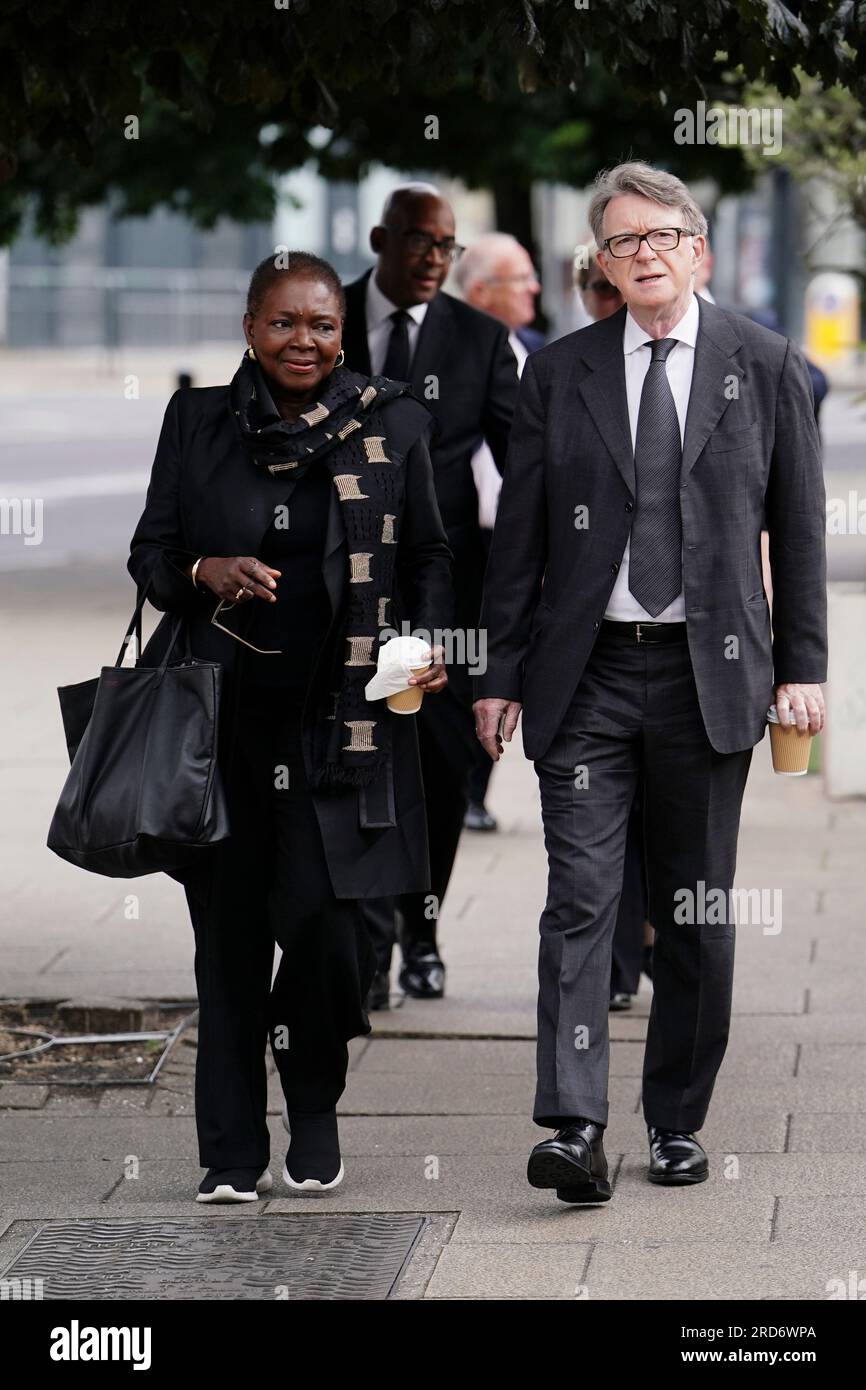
{"type": "Point", "coordinates": [639, 638]}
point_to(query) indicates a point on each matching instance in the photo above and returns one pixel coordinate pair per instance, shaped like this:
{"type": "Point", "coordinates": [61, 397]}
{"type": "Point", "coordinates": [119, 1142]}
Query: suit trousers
{"type": "Point", "coordinates": [628, 937]}
{"type": "Point", "coordinates": [270, 884]}
{"type": "Point", "coordinates": [445, 766]}
{"type": "Point", "coordinates": [635, 716]}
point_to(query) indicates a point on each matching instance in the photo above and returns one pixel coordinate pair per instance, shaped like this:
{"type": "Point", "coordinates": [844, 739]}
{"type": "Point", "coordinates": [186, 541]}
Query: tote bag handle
{"type": "Point", "coordinates": [135, 627]}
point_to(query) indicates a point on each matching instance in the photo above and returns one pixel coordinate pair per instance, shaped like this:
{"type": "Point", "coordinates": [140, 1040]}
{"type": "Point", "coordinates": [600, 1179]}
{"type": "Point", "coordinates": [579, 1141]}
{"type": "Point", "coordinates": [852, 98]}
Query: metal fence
{"type": "Point", "coordinates": [82, 306]}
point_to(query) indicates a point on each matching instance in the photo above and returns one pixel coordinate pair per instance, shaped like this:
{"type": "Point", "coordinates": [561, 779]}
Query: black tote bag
{"type": "Point", "coordinates": [144, 793]}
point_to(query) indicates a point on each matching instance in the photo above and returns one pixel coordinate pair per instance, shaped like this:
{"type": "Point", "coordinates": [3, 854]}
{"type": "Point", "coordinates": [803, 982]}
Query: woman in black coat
{"type": "Point", "coordinates": [291, 517]}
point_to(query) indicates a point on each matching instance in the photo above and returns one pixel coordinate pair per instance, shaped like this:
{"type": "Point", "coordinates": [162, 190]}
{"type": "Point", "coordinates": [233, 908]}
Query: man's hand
{"type": "Point", "coordinates": [807, 702]}
{"type": "Point", "coordinates": [488, 713]}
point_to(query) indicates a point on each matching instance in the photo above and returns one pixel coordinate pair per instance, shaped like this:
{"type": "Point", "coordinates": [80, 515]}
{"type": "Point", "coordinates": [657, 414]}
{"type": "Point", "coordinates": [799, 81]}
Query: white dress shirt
{"type": "Point", "coordinates": [488, 479]}
{"type": "Point", "coordinates": [623, 607]}
{"type": "Point", "coordinates": [379, 325]}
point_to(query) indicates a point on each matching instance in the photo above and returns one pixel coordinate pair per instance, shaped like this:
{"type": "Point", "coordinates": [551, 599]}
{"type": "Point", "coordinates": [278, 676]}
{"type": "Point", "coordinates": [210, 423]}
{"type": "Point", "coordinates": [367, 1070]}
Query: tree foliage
{"type": "Point", "coordinates": [531, 89]}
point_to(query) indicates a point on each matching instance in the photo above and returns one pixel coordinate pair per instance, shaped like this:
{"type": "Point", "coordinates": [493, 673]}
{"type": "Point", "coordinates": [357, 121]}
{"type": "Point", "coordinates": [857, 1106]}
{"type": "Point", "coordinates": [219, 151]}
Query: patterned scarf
{"type": "Point", "coordinates": [345, 431]}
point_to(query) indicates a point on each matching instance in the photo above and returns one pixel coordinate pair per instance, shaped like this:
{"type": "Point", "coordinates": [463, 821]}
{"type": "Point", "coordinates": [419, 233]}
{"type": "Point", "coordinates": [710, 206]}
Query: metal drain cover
{"type": "Point", "coordinates": [271, 1257]}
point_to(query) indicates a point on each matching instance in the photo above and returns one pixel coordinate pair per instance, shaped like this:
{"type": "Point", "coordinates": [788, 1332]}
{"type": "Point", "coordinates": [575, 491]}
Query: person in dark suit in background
{"type": "Point", "coordinates": [400, 323]}
{"type": "Point", "coordinates": [627, 618]}
{"type": "Point", "coordinates": [496, 275]}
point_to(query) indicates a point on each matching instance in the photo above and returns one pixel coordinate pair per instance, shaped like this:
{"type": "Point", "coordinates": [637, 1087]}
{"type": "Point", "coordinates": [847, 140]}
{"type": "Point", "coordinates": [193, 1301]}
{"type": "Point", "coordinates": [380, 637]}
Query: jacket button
{"type": "Point", "coordinates": [595, 627]}
{"type": "Point", "coordinates": [629, 507]}
{"type": "Point", "coordinates": [614, 569]}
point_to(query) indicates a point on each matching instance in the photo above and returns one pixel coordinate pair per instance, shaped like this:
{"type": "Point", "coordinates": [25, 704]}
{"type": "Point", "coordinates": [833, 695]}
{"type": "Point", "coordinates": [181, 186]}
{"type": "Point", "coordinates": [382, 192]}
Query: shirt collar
{"type": "Point", "coordinates": [686, 331]}
{"type": "Point", "coordinates": [380, 308]}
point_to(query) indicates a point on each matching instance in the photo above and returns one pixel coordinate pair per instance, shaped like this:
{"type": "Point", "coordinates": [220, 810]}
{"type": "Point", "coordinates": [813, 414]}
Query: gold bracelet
{"type": "Point", "coordinates": [195, 570]}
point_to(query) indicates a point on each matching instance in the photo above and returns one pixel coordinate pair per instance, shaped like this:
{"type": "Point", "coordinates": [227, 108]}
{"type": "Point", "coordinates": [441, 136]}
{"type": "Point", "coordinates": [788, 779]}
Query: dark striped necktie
{"type": "Point", "coordinates": [655, 552]}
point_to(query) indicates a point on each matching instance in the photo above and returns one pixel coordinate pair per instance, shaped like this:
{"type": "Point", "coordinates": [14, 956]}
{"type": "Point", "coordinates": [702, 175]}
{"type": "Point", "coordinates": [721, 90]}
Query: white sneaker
{"type": "Point", "coordinates": [233, 1188]}
{"type": "Point", "coordinates": [309, 1184]}
{"type": "Point", "coordinates": [313, 1185]}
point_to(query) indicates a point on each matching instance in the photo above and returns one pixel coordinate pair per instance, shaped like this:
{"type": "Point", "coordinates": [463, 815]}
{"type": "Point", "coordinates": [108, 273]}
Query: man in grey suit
{"type": "Point", "coordinates": [625, 614]}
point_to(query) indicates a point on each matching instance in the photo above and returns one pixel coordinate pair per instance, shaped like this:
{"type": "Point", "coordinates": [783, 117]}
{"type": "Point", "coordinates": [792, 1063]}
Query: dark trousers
{"type": "Point", "coordinates": [271, 884]}
{"type": "Point", "coordinates": [628, 936]}
{"type": "Point", "coordinates": [635, 715]}
{"type": "Point", "coordinates": [445, 800]}
{"type": "Point", "coordinates": [479, 776]}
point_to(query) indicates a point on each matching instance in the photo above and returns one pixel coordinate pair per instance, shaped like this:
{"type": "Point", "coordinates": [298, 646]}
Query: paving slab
{"type": "Point", "coordinates": [715, 1270]}
{"type": "Point", "coordinates": [436, 1117]}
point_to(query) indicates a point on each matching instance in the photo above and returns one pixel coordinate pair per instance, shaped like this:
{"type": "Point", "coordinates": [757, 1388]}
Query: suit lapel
{"type": "Point", "coordinates": [711, 387]}
{"type": "Point", "coordinates": [355, 344]}
{"type": "Point", "coordinates": [433, 346]}
{"type": "Point", "coordinates": [605, 396]}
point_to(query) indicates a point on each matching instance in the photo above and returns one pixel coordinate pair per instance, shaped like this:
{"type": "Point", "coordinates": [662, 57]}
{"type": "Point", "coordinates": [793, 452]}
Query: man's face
{"type": "Point", "coordinates": [649, 280]}
{"type": "Point", "coordinates": [510, 291]}
{"type": "Point", "coordinates": [410, 272]}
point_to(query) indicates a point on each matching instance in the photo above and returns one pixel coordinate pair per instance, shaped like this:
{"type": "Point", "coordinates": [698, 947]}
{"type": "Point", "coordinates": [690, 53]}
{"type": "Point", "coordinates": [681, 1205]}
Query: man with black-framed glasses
{"type": "Point", "coordinates": [626, 618]}
{"type": "Point", "coordinates": [401, 323]}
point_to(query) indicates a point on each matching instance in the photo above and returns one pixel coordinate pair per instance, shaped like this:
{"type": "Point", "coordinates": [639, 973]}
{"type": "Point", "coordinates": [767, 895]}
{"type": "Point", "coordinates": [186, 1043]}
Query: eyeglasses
{"type": "Point", "coordinates": [422, 243]}
{"type": "Point", "coordinates": [660, 239]}
{"type": "Point", "coordinates": [223, 606]}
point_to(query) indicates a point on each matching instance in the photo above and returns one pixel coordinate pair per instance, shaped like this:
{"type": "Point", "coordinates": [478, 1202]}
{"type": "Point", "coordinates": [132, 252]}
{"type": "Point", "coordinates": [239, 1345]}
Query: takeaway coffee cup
{"type": "Point", "coordinates": [408, 701]}
{"type": "Point", "coordinates": [790, 748]}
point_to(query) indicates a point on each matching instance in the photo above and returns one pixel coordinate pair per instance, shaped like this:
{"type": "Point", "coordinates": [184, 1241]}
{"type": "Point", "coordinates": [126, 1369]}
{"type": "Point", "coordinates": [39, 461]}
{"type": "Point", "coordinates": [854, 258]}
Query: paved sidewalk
{"type": "Point", "coordinates": [435, 1116]}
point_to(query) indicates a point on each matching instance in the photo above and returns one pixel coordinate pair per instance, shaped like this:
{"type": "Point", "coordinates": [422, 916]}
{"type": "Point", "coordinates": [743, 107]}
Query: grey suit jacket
{"type": "Point", "coordinates": [751, 459]}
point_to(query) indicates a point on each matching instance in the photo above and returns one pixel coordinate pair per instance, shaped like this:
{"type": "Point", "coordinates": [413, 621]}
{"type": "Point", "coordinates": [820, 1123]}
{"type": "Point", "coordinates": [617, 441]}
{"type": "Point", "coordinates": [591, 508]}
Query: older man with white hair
{"type": "Point", "coordinates": [627, 618]}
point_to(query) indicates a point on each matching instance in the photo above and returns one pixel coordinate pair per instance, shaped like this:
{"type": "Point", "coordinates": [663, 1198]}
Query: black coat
{"type": "Point", "coordinates": [750, 452]}
{"type": "Point", "coordinates": [464, 371]}
{"type": "Point", "coordinates": [207, 498]}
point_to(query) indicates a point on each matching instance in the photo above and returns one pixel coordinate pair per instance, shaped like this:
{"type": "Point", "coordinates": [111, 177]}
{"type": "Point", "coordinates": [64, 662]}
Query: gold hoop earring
{"type": "Point", "coordinates": [251, 353]}
{"type": "Point", "coordinates": [341, 357]}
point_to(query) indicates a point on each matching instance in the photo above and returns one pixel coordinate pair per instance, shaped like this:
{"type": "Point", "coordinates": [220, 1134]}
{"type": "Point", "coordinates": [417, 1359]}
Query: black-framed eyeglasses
{"type": "Point", "coordinates": [660, 239]}
{"type": "Point", "coordinates": [222, 607]}
{"type": "Point", "coordinates": [422, 243]}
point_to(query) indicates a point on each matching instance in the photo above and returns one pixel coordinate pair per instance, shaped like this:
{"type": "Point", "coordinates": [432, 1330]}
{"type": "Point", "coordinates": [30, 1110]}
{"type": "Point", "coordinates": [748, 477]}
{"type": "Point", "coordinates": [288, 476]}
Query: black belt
{"type": "Point", "coordinates": [644, 634]}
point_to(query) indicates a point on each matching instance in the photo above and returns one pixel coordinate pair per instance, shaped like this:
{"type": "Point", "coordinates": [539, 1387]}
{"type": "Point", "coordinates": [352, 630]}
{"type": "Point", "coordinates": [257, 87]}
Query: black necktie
{"type": "Point", "coordinates": [655, 552]}
{"type": "Point", "coordinates": [396, 364]}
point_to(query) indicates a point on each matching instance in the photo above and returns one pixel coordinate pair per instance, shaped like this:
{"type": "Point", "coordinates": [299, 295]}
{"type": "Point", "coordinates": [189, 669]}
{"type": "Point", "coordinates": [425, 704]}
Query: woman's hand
{"type": "Point", "coordinates": [225, 575]}
{"type": "Point", "coordinates": [434, 678]}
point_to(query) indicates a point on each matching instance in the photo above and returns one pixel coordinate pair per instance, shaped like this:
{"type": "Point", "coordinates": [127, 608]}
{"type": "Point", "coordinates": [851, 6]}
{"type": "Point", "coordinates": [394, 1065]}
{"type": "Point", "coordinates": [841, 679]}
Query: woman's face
{"type": "Point", "coordinates": [296, 335]}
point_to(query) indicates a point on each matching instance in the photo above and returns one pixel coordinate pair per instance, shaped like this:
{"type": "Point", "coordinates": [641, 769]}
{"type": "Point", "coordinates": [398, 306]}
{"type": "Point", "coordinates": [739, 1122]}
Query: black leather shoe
{"type": "Point", "coordinates": [422, 974]}
{"type": "Point", "coordinates": [573, 1162]}
{"type": "Point", "coordinates": [676, 1157]}
{"type": "Point", "coordinates": [379, 996]}
{"type": "Point", "coordinates": [620, 1003]}
{"type": "Point", "coordinates": [478, 817]}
